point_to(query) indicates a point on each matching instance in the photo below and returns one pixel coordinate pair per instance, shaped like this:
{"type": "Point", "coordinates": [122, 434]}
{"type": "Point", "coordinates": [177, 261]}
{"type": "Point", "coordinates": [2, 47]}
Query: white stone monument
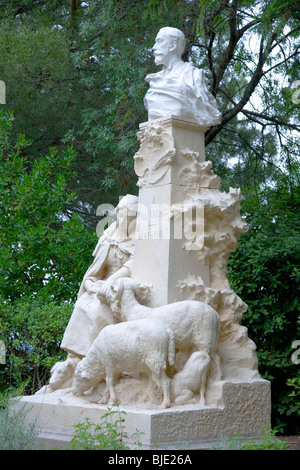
{"type": "Point", "coordinates": [156, 327]}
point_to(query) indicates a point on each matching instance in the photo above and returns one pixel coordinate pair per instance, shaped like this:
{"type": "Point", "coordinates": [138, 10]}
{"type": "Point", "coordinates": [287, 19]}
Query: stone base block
{"type": "Point", "coordinates": [244, 408]}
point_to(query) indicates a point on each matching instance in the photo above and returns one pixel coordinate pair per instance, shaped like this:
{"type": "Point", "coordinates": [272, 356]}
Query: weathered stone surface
{"type": "Point", "coordinates": [240, 407]}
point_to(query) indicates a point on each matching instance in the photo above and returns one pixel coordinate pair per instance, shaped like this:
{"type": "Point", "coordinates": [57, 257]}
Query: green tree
{"type": "Point", "coordinates": [264, 272]}
{"type": "Point", "coordinates": [45, 247]}
{"type": "Point", "coordinates": [37, 42]}
{"type": "Point", "coordinates": [41, 86]}
{"type": "Point", "coordinates": [31, 330]}
{"type": "Point", "coordinates": [44, 251]}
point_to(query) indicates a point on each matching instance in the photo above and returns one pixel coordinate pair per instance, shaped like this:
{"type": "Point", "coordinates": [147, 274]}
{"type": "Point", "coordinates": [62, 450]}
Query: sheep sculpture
{"type": "Point", "coordinates": [194, 324]}
{"type": "Point", "coordinates": [141, 345]}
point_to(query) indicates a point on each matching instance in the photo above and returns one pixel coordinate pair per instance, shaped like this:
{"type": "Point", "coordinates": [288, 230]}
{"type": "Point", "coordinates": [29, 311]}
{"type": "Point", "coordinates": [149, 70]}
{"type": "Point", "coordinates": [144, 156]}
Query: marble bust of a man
{"type": "Point", "coordinates": [179, 89]}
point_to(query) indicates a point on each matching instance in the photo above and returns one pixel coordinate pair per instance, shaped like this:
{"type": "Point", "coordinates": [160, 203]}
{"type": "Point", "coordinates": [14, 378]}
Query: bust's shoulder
{"type": "Point", "coordinates": [191, 68]}
{"type": "Point", "coordinates": [153, 76]}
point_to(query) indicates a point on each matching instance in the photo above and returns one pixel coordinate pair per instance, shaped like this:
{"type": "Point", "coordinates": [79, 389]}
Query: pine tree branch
{"type": "Point", "coordinates": [271, 119]}
{"type": "Point", "coordinates": [264, 52]}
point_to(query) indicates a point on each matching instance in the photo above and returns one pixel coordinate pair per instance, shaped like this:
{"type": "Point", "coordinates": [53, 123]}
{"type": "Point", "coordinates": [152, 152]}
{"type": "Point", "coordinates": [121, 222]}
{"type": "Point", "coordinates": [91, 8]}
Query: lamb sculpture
{"type": "Point", "coordinates": [193, 323]}
{"type": "Point", "coordinates": [191, 379]}
{"type": "Point", "coordinates": [61, 375]}
{"type": "Point", "coordinates": [141, 345]}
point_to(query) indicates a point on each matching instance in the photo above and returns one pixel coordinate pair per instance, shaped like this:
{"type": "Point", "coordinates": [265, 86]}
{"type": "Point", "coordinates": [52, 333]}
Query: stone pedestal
{"type": "Point", "coordinates": [237, 408]}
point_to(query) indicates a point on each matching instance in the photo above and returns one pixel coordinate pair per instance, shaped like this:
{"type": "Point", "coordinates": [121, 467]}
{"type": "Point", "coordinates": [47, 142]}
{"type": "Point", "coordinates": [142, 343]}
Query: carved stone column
{"type": "Point", "coordinates": [170, 224]}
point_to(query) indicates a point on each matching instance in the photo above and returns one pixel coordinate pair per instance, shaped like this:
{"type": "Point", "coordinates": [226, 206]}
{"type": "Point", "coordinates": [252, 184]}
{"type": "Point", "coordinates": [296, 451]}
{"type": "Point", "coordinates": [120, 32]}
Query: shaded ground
{"type": "Point", "coordinates": [292, 441]}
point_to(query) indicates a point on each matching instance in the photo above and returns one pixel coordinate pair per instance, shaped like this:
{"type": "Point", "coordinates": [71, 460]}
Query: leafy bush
{"type": "Point", "coordinates": [44, 246]}
{"type": "Point", "coordinates": [31, 331]}
{"type": "Point", "coordinates": [108, 434]}
{"type": "Point", "coordinates": [14, 433]}
{"type": "Point", "coordinates": [266, 441]}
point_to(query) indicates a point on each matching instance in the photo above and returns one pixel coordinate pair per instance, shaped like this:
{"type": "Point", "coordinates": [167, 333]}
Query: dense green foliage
{"type": "Point", "coordinates": [45, 249]}
{"type": "Point", "coordinates": [32, 331]}
{"type": "Point", "coordinates": [264, 272]}
{"type": "Point", "coordinates": [44, 245]}
{"type": "Point", "coordinates": [74, 74]}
